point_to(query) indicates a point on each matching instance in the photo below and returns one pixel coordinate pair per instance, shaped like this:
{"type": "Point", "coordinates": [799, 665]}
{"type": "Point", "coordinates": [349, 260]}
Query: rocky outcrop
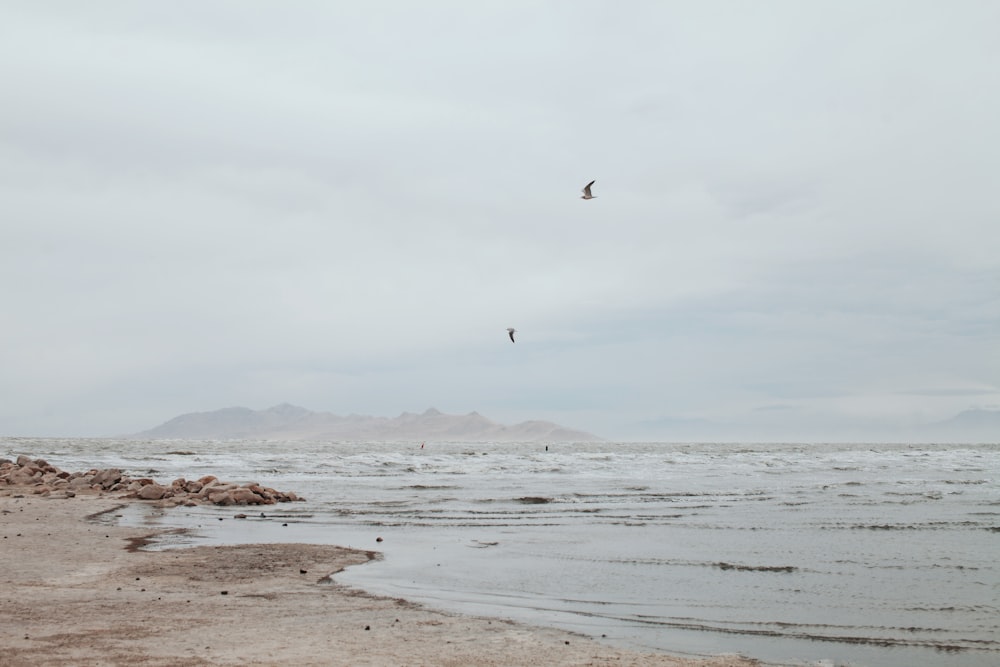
{"type": "Point", "coordinates": [36, 476]}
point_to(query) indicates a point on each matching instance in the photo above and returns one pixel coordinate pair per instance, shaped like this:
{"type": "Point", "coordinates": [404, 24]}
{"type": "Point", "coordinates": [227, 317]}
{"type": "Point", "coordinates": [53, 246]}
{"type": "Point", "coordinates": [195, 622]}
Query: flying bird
{"type": "Point", "coordinates": [586, 191]}
{"type": "Point", "coordinates": [510, 332]}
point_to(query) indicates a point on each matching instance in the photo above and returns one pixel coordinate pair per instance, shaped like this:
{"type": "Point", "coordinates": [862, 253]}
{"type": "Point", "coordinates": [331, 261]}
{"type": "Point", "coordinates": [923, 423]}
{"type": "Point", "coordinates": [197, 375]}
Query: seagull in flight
{"type": "Point", "coordinates": [510, 332]}
{"type": "Point", "coordinates": [586, 191]}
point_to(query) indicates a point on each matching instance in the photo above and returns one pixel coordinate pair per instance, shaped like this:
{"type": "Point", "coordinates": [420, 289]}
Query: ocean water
{"type": "Point", "coordinates": [877, 555]}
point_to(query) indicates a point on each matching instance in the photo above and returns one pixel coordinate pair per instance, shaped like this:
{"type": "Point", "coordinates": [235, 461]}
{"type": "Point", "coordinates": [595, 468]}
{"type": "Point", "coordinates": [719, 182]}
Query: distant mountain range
{"type": "Point", "coordinates": [290, 422]}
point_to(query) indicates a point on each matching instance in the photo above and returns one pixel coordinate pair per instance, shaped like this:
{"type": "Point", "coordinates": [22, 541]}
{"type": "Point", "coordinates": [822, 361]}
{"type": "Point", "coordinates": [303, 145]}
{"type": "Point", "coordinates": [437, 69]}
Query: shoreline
{"type": "Point", "coordinates": [78, 590]}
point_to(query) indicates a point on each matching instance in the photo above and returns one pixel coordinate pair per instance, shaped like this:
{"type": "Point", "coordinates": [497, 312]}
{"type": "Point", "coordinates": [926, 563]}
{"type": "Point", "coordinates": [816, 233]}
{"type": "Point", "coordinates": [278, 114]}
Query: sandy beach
{"type": "Point", "coordinates": [78, 590]}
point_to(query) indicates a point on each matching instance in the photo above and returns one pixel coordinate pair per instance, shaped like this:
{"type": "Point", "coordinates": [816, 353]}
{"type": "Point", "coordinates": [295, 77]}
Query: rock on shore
{"type": "Point", "coordinates": [38, 477]}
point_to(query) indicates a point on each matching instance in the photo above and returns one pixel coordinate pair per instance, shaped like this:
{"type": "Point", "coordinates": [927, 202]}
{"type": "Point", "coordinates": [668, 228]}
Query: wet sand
{"type": "Point", "coordinates": [80, 591]}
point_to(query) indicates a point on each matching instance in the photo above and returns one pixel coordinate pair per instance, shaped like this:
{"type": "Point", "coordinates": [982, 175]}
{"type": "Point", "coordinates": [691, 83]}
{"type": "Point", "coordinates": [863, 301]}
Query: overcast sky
{"type": "Point", "coordinates": [343, 205]}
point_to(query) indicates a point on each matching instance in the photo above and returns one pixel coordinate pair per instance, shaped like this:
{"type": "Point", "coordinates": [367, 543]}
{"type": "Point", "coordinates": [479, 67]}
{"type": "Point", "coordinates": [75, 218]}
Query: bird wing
{"type": "Point", "coordinates": [586, 188]}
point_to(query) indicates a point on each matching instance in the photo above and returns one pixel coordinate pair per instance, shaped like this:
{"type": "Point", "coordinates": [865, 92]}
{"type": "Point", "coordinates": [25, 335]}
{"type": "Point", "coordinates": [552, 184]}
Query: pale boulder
{"type": "Point", "coordinates": [107, 478]}
{"type": "Point", "coordinates": [244, 496]}
{"type": "Point", "coordinates": [79, 482]}
{"type": "Point", "coordinates": [220, 498]}
{"type": "Point", "coordinates": [152, 492]}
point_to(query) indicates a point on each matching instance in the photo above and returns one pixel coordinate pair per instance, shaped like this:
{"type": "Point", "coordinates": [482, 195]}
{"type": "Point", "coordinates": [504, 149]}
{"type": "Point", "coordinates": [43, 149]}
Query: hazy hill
{"type": "Point", "coordinates": [290, 422]}
{"type": "Point", "coordinates": [976, 424]}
